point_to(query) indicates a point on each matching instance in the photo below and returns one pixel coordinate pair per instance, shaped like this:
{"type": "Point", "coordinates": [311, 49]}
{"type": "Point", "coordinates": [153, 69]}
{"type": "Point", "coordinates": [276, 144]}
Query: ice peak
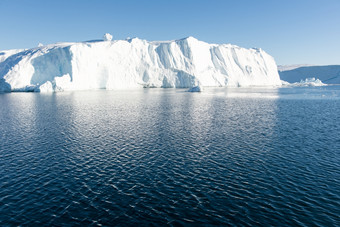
{"type": "Point", "coordinates": [189, 38]}
{"type": "Point", "coordinates": [107, 37]}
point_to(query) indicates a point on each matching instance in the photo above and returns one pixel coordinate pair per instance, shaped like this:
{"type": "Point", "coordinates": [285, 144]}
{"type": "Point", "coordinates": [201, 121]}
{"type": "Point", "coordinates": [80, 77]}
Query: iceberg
{"type": "Point", "coordinates": [308, 82]}
{"type": "Point", "coordinates": [134, 63]}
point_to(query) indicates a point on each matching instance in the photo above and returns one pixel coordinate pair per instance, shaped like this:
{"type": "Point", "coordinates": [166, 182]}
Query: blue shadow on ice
{"type": "Point", "coordinates": [56, 63]}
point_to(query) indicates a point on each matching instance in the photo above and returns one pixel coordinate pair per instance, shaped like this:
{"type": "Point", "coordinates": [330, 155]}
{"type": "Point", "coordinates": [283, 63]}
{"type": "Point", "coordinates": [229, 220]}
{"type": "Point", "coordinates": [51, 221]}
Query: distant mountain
{"type": "Point", "coordinates": [329, 74]}
{"type": "Point", "coordinates": [291, 67]}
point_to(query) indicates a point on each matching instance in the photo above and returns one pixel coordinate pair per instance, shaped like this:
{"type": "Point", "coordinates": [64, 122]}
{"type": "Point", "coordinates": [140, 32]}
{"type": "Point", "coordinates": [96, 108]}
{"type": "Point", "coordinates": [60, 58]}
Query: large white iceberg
{"type": "Point", "coordinates": [133, 63]}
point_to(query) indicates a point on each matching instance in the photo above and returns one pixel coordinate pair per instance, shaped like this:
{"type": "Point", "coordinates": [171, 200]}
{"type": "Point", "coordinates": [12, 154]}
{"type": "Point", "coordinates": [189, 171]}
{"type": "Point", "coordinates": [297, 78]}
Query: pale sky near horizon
{"type": "Point", "coordinates": [293, 32]}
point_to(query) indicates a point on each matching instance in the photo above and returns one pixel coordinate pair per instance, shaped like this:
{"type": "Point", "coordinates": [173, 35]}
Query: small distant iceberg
{"type": "Point", "coordinates": [198, 88]}
{"type": "Point", "coordinates": [308, 82]}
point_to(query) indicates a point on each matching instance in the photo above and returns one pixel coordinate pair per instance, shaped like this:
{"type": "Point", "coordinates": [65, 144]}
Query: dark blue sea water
{"type": "Point", "coordinates": [164, 156]}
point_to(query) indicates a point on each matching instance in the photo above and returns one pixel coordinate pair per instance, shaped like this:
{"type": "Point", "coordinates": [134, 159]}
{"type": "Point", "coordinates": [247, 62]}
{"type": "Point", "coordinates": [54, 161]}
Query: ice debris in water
{"type": "Point", "coordinates": [107, 37]}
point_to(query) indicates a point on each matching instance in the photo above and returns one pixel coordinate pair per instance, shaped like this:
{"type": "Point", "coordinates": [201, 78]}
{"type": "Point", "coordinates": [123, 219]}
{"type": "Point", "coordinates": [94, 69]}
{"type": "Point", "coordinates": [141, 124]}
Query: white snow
{"type": "Point", "coordinates": [63, 83]}
{"type": "Point", "coordinates": [135, 63]}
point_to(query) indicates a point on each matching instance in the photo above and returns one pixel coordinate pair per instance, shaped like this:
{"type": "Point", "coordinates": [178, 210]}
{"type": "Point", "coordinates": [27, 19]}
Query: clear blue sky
{"type": "Point", "coordinates": [293, 31]}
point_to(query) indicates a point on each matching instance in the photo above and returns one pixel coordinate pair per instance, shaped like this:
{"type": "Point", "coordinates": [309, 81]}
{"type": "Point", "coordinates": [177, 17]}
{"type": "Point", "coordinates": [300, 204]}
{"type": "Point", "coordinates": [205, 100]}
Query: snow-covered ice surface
{"type": "Point", "coordinates": [6, 53]}
{"type": "Point", "coordinates": [329, 74]}
{"type": "Point", "coordinates": [135, 63]}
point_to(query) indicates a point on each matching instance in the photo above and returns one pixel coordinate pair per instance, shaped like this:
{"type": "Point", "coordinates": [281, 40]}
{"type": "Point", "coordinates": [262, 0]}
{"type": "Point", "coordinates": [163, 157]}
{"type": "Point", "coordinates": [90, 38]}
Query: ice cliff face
{"type": "Point", "coordinates": [134, 63]}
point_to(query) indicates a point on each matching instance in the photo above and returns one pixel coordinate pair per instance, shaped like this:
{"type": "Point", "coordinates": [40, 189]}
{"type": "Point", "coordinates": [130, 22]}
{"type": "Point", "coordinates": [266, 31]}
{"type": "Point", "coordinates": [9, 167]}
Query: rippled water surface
{"type": "Point", "coordinates": [165, 156]}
